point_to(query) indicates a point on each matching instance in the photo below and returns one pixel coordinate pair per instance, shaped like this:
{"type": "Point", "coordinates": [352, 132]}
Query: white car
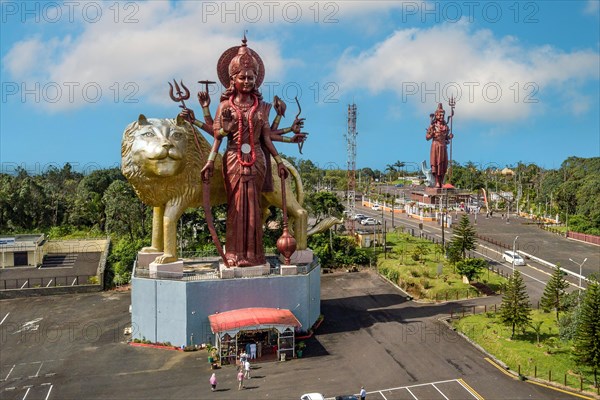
{"type": "Point", "coordinates": [511, 257]}
{"type": "Point", "coordinates": [312, 396]}
{"type": "Point", "coordinates": [376, 207]}
{"type": "Point", "coordinates": [359, 217]}
{"type": "Point", "coordinates": [370, 221]}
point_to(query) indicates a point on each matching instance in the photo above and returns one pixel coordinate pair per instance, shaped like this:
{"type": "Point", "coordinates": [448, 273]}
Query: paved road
{"type": "Point", "coordinates": [532, 240]}
{"type": "Point", "coordinates": [72, 347]}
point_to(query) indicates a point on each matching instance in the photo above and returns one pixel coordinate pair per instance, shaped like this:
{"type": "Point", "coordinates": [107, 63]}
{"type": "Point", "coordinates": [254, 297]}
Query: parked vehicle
{"type": "Point", "coordinates": [511, 257]}
{"type": "Point", "coordinates": [359, 217]}
{"type": "Point", "coordinates": [346, 397]}
{"type": "Point", "coordinates": [370, 221]}
{"type": "Point", "coordinates": [312, 396]}
{"type": "Point", "coordinates": [376, 207]}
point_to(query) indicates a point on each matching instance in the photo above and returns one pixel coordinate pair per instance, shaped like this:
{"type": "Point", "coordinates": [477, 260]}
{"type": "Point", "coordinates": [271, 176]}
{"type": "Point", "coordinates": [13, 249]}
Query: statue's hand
{"type": "Point", "coordinates": [227, 122]}
{"type": "Point", "coordinates": [188, 115]}
{"type": "Point", "coordinates": [298, 138]}
{"type": "Point", "coordinates": [282, 171]}
{"type": "Point", "coordinates": [298, 125]}
{"type": "Point", "coordinates": [207, 171]}
{"type": "Point", "coordinates": [204, 99]}
{"type": "Point", "coordinates": [279, 106]}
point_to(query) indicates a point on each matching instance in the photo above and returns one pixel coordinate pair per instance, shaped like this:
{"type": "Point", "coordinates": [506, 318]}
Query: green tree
{"type": "Point", "coordinates": [471, 267]}
{"type": "Point", "coordinates": [323, 204]}
{"type": "Point", "coordinates": [515, 309]}
{"type": "Point", "coordinates": [554, 292]}
{"type": "Point", "coordinates": [464, 237]}
{"type": "Point", "coordinates": [587, 336]}
{"type": "Point", "coordinates": [125, 213]}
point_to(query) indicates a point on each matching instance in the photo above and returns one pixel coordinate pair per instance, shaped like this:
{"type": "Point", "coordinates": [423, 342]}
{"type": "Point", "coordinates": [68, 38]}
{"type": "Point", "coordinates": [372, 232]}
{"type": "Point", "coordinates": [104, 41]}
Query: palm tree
{"type": "Point", "coordinates": [391, 168]}
{"type": "Point", "coordinates": [399, 165]}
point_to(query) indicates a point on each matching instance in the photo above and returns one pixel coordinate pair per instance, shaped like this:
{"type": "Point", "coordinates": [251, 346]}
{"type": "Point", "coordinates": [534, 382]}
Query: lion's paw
{"type": "Point", "coordinates": [165, 259]}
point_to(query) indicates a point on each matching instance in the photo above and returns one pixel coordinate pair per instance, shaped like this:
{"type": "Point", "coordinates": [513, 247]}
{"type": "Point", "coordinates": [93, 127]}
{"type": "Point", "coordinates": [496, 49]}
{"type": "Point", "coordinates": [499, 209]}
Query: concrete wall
{"type": "Point", "coordinates": [177, 311]}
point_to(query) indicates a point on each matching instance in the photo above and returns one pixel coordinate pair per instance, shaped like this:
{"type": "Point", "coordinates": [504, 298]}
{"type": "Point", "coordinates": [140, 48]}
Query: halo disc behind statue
{"type": "Point", "coordinates": [225, 59]}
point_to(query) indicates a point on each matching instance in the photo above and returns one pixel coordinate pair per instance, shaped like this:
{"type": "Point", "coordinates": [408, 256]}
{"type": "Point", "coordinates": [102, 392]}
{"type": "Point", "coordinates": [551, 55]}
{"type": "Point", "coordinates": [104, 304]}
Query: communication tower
{"type": "Point", "coordinates": [351, 149]}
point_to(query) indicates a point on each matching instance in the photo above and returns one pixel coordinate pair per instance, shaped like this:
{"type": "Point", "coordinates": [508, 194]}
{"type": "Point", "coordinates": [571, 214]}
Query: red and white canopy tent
{"type": "Point", "coordinates": [229, 324]}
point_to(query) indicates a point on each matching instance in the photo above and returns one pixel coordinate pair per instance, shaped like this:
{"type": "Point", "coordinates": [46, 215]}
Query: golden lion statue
{"type": "Point", "coordinates": [160, 159]}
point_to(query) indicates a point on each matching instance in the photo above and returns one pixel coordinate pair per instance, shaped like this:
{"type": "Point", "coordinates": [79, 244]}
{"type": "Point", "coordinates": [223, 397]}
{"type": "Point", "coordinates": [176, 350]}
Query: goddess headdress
{"type": "Point", "coordinates": [236, 59]}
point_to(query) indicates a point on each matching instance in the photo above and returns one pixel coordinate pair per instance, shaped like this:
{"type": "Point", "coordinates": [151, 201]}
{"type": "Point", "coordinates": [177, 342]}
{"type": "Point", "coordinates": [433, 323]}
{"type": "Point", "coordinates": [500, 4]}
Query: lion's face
{"type": "Point", "coordinates": [159, 147]}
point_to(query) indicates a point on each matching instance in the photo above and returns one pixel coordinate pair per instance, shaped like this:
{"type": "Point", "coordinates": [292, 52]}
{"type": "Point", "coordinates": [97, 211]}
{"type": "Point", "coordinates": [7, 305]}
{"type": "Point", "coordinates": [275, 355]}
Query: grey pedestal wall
{"type": "Point", "coordinates": [177, 311]}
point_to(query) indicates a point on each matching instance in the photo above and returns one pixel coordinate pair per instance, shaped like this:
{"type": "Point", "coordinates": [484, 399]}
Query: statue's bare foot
{"type": "Point", "coordinates": [150, 250]}
{"type": "Point", "coordinates": [165, 259]}
{"type": "Point", "coordinates": [231, 263]}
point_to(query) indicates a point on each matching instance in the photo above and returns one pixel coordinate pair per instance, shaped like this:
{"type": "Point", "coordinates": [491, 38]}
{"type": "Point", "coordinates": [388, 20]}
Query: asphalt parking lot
{"type": "Point", "coordinates": [73, 347]}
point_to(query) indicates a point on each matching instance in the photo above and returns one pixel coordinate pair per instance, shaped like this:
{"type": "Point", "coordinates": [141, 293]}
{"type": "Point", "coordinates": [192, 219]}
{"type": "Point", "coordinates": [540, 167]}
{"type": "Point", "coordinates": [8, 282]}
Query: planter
{"type": "Point", "coordinates": [211, 359]}
{"type": "Point", "coordinates": [299, 353]}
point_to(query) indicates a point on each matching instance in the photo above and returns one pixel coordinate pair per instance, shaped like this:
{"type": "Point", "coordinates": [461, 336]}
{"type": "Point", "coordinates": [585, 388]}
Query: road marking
{"type": "Point", "coordinates": [560, 390]}
{"type": "Point", "coordinates": [49, 390]}
{"type": "Point", "coordinates": [381, 393]}
{"type": "Point", "coordinates": [49, 282]}
{"type": "Point", "coordinates": [6, 316]}
{"type": "Point", "coordinates": [29, 326]}
{"type": "Point", "coordinates": [10, 372]}
{"type": "Point", "coordinates": [74, 280]}
{"type": "Point", "coordinates": [505, 372]}
{"type": "Point", "coordinates": [26, 393]}
{"type": "Point", "coordinates": [25, 283]}
{"type": "Point", "coordinates": [522, 273]}
{"type": "Point", "coordinates": [469, 389]}
{"type": "Point", "coordinates": [436, 388]}
{"type": "Point", "coordinates": [411, 393]}
{"type": "Point", "coordinates": [38, 371]}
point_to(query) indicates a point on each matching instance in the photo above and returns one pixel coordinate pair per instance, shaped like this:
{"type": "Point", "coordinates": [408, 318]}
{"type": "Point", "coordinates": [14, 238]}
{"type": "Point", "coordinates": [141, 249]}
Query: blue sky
{"type": "Point", "coordinates": [527, 75]}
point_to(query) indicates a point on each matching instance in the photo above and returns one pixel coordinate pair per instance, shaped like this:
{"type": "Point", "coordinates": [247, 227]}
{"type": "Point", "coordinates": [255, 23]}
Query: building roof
{"type": "Point", "coordinates": [252, 319]}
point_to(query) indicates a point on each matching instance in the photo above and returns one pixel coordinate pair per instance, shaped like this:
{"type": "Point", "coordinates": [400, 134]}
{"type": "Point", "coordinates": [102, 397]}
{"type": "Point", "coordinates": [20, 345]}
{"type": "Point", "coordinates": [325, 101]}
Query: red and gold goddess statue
{"type": "Point", "coordinates": [242, 117]}
{"type": "Point", "coordinates": [440, 134]}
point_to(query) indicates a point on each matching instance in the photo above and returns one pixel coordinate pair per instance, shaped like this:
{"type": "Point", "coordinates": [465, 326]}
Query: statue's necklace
{"type": "Point", "coordinates": [240, 130]}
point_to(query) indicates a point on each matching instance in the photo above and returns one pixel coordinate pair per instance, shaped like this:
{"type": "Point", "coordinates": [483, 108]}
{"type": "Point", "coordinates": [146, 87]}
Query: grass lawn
{"type": "Point", "coordinates": [420, 277]}
{"type": "Point", "coordinates": [535, 358]}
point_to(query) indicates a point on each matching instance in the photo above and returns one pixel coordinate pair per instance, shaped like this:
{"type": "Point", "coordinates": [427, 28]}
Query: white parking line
{"type": "Point", "coordinates": [436, 388]}
{"type": "Point", "coordinates": [423, 385]}
{"type": "Point", "coordinates": [26, 393]}
{"type": "Point", "coordinates": [38, 371]}
{"type": "Point", "coordinates": [24, 284]}
{"type": "Point", "coordinates": [49, 282]}
{"type": "Point", "coordinates": [74, 281]}
{"type": "Point", "coordinates": [411, 393]}
{"type": "Point", "coordinates": [10, 372]}
{"type": "Point", "coordinates": [49, 390]}
{"type": "Point", "coordinates": [6, 316]}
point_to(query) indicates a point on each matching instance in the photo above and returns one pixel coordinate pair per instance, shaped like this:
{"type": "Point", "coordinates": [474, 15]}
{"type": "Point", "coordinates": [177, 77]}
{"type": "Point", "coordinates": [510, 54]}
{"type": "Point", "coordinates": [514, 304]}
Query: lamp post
{"type": "Point", "coordinates": [513, 257]}
{"type": "Point", "coordinates": [580, 271]}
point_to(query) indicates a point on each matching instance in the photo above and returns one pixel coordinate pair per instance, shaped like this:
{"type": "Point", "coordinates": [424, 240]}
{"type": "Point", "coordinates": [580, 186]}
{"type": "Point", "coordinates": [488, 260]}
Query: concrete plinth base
{"type": "Point", "coordinates": [144, 259]}
{"type": "Point", "coordinates": [288, 270]}
{"type": "Point", "coordinates": [300, 257]}
{"type": "Point", "coordinates": [169, 270]}
{"type": "Point", "coordinates": [243, 272]}
{"type": "Point", "coordinates": [177, 310]}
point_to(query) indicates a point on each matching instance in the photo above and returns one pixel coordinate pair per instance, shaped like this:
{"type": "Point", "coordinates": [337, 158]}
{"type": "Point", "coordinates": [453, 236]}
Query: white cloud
{"type": "Point", "coordinates": [166, 42]}
{"type": "Point", "coordinates": [497, 77]}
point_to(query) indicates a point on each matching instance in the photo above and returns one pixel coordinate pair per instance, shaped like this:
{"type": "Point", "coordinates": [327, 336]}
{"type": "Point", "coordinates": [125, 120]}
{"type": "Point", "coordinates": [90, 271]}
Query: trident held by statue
{"type": "Point", "coordinates": [181, 95]}
{"type": "Point", "coordinates": [452, 104]}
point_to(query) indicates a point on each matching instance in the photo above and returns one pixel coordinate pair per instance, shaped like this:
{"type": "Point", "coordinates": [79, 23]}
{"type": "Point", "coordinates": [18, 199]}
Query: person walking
{"type": "Point", "coordinates": [247, 369]}
{"type": "Point", "coordinates": [363, 393]}
{"type": "Point", "coordinates": [240, 378]}
{"type": "Point", "coordinates": [213, 382]}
